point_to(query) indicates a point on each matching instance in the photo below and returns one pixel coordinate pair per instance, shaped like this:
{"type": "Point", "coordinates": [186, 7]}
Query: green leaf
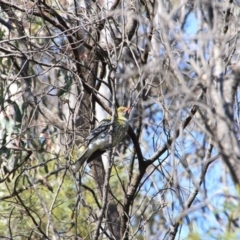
{"type": "Point", "coordinates": [18, 114]}
{"type": "Point", "coordinates": [65, 88]}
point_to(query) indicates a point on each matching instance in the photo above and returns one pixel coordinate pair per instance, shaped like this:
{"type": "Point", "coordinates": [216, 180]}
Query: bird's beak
{"type": "Point", "coordinates": [128, 109]}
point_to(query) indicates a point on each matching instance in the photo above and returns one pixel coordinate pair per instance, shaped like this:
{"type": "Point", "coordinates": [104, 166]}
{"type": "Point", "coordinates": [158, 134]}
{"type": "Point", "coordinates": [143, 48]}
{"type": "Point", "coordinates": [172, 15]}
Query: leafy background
{"type": "Point", "coordinates": [65, 65]}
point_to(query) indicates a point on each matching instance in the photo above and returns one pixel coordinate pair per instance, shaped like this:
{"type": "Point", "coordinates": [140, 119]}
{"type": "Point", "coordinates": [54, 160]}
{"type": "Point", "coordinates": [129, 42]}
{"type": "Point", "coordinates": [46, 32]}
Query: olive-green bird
{"type": "Point", "coordinates": [99, 138]}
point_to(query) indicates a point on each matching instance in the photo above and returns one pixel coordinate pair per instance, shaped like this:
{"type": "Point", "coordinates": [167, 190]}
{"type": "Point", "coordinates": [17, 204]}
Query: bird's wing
{"type": "Point", "coordinates": [102, 127]}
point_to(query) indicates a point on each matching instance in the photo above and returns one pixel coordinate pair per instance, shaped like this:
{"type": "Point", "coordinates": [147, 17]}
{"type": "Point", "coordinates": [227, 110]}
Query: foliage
{"type": "Point", "coordinates": [65, 65]}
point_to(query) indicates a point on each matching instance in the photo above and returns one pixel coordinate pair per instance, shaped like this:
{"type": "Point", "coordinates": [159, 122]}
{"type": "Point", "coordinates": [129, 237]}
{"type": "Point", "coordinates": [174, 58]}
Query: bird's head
{"type": "Point", "coordinates": [123, 112]}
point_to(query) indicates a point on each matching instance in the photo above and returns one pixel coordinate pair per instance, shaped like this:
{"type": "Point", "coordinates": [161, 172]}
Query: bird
{"type": "Point", "coordinates": [98, 141]}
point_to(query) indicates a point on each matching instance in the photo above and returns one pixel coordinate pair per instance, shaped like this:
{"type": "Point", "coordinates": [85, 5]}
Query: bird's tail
{"type": "Point", "coordinates": [87, 155]}
{"type": "Point", "coordinates": [79, 163]}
